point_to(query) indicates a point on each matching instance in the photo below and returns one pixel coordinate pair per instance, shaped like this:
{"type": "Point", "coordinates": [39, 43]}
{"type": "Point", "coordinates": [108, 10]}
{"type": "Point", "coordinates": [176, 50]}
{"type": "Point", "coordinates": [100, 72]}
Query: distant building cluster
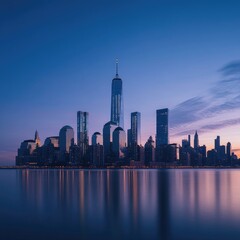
{"type": "Point", "coordinates": [115, 147]}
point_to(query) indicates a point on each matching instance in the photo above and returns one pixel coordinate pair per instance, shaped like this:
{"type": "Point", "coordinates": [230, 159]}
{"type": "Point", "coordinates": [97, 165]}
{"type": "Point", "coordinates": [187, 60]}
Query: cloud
{"type": "Point", "coordinates": [213, 110]}
{"type": "Point", "coordinates": [232, 68]}
{"type": "Point", "coordinates": [187, 111]}
{"type": "Point", "coordinates": [209, 127]}
{"type": "Point", "coordinates": [220, 125]}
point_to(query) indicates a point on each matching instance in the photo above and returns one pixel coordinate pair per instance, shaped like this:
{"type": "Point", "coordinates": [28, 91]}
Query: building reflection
{"type": "Point", "coordinates": [133, 203]}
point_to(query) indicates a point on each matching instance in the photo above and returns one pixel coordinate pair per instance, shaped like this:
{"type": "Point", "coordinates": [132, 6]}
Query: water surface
{"type": "Point", "coordinates": [119, 204]}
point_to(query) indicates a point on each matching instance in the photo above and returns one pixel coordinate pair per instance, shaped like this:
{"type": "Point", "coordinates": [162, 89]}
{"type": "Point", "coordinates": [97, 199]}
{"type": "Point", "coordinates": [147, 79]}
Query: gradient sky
{"type": "Point", "coordinates": [58, 57]}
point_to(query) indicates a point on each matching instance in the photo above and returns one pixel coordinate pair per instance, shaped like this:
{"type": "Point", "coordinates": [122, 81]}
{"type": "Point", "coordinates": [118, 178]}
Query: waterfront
{"type": "Point", "coordinates": [116, 204]}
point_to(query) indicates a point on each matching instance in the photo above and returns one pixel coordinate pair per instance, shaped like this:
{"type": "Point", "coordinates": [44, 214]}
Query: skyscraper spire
{"type": "Point", "coordinates": [37, 139]}
{"type": "Point", "coordinates": [117, 100]}
{"type": "Point", "coordinates": [196, 141]}
{"type": "Point", "coordinates": [116, 67]}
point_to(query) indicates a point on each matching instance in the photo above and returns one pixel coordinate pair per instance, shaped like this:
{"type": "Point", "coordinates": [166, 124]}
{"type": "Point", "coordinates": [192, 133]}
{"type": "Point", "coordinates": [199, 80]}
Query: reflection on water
{"type": "Point", "coordinates": [117, 204]}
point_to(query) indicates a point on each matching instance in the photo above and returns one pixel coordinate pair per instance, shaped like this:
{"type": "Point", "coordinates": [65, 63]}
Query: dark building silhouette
{"type": "Point", "coordinates": [196, 141]}
{"type": "Point", "coordinates": [167, 153]}
{"type": "Point", "coordinates": [189, 140]}
{"type": "Point", "coordinates": [229, 150]}
{"type": "Point", "coordinates": [129, 138]}
{"type": "Point", "coordinates": [50, 150]}
{"type": "Point", "coordinates": [149, 151]}
{"type": "Point", "coordinates": [108, 129]}
{"type": "Point", "coordinates": [217, 143]}
{"type": "Point", "coordinates": [203, 152]}
{"type": "Point", "coordinates": [27, 154]}
{"type": "Point", "coordinates": [119, 144]}
{"type": "Point", "coordinates": [66, 139]}
{"type": "Point", "coordinates": [97, 150]}
{"type": "Point", "coordinates": [212, 157]}
{"type": "Point", "coordinates": [74, 155]}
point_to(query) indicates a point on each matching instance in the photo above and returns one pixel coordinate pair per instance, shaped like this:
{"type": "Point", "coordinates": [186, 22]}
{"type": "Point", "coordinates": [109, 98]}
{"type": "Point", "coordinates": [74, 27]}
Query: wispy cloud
{"type": "Point", "coordinates": [231, 68]}
{"type": "Point", "coordinates": [212, 110]}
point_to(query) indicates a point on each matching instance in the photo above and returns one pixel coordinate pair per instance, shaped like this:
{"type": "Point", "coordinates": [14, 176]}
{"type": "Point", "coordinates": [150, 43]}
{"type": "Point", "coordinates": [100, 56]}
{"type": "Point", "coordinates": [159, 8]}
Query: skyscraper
{"type": "Point", "coordinates": [66, 139]}
{"type": "Point", "coordinates": [135, 134]}
{"type": "Point", "coordinates": [229, 150]}
{"type": "Point", "coordinates": [117, 100]}
{"type": "Point", "coordinates": [37, 139]}
{"type": "Point", "coordinates": [129, 138]}
{"type": "Point", "coordinates": [97, 139]}
{"type": "Point", "coordinates": [119, 144]}
{"type": "Point", "coordinates": [97, 149]}
{"type": "Point", "coordinates": [149, 149]}
{"type": "Point", "coordinates": [217, 143]}
{"type": "Point", "coordinates": [136, 127]}
{"type": "Point", "coordinates": [189, 140]}
{"type": "Point", "coordinates": [196, 141]}
{"type": "Point", "coordinates": [82, 132]}
{"type": "Point", "coordinates": [162, 127]}
{"type": "Point", "coordinates": [108, 129]}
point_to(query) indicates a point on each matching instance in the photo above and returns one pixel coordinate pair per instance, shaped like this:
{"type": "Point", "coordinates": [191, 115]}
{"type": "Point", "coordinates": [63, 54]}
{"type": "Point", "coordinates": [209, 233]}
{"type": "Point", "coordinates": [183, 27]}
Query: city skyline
{"type": "Point", "coordinates": [51, 70]}
{"type": "Point", "coordinates": [114, 148]}
{"type": "Point", "coordinates": [83, 117]}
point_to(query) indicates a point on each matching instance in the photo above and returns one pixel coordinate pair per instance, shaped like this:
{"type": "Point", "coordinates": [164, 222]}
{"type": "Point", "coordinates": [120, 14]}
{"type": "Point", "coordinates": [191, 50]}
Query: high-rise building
{"type": "Point", "coordinates": [119, 144]}
{"type": "Point", "coordinates": [229, 150]}
{"type": "Point", "coordinates": [196, 141]}
{"type": "Point", "coordinates": [222, 153]}
{"type": "Point", "coordinates": [136, 128]}
{"type": "Point", "coordinates": [135, 135]}
{"type": "Point", "coordinates": [37, 139]}
{"type": "Point", "coordinates": [50, 150]}
{"type": "Point", "coordinates": [149, 151]}
{"type": "Point", "coordinates": [108, 129]}
{"type": "Point", "coordinates": [82, 132]}
{"type": "Point", "coordinates": [129, 138]}
{"type": "Point", "coordinates": [97, 149]}
{"type": "Point", "coordinates": [97, 139]}
{"type": "Point", "coordinates": [189, 140]}
{"type": "Point", "coordinates": [217, 143]}
{"type": "Point", "coordinates": [162, 127]}
{"type": "Point", "coordinates": [66, 139]}
{"type": "Point", "coordinates": [185, 143]}
{"type": "Point", "coordinates": [117, 114]}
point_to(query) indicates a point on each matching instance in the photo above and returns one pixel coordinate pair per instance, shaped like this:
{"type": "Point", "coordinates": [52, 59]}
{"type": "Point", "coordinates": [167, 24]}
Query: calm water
{"type": "Point", "coordinates": [119, 204]}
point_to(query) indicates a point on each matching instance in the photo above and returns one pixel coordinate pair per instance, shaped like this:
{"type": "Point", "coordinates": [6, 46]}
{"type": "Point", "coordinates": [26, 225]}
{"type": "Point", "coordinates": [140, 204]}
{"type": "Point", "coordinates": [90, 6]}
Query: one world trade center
{"type": "Point", "coordinates": [117, 100]}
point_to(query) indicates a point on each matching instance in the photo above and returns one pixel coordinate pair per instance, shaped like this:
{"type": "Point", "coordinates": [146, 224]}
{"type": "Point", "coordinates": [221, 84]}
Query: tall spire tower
{"type": "Point", "coordinates": [37, 139]}
{"type": "Point", "coordinates": [117, 115]}
{"type": "Point", "coordinates": [196, 141]}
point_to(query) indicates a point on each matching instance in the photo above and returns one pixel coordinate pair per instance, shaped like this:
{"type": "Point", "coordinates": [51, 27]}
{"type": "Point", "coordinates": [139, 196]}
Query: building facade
{"type": "Point", "coordinates": [119, 144]}
{"type": "Point", "coordinates": [117, 115]}
{"type": "Point", "coordinates": [162, 127]}
{"type": "Point", "coordinates": [135, 135]}
{"type": "Point", "coordinates": [66, 139]}
{"type": "Point", "coordinates": [82, 132]}
{"type": "Point", "coordinates": [108, 129]}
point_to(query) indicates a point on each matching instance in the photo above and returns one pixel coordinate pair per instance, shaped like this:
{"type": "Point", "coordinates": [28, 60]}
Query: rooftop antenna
{"type": "Point", "coordinates": [116, 67]}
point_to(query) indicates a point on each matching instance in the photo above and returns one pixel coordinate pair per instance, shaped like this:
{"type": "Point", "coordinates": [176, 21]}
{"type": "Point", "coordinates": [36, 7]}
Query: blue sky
{"type": "Point", "coordinates": [58, 57]}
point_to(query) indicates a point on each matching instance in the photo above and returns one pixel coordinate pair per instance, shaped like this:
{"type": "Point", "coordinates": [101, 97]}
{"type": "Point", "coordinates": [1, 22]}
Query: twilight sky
{"type": "Point", "coordinates": [58, 57]}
